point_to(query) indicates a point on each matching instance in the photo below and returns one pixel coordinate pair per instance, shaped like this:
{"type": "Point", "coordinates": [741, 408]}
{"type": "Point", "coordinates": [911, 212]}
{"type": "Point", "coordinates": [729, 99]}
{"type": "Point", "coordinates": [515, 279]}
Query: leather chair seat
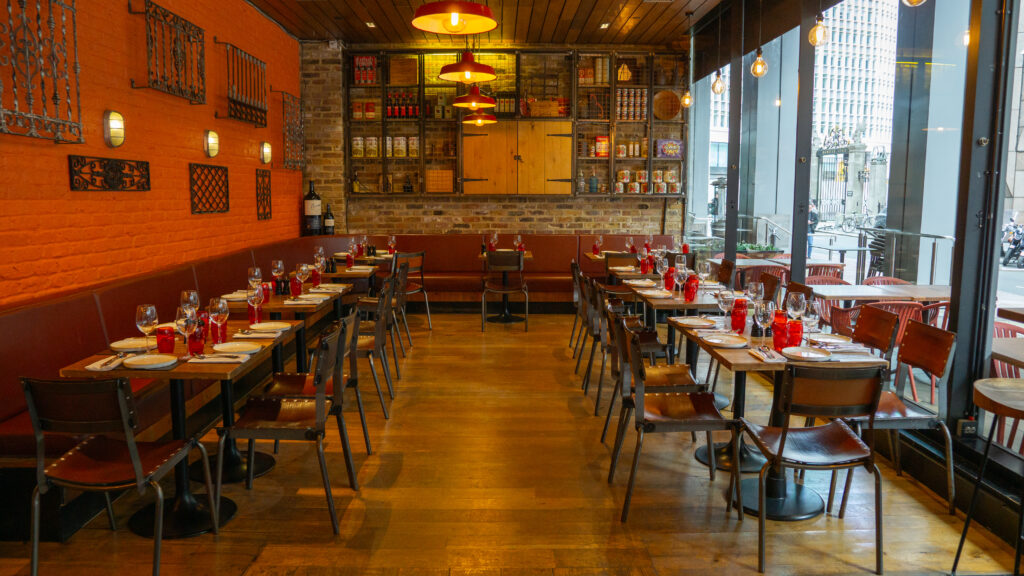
{"type": "Point", "coordinates": [102, 461]}
{"type": "Point", "coordinates": [675, 407]}
{"type": "Point", "coordinates": [833, 444]}
{"type": "Point", "coordinates": [674, 375]}
{"type": "Point", "coordinates": [295, 385]}
{"type": "Point", "coordinates": [513, 285]}
{"type": "Point", "coordinates": [276, 414]}
{"type": "Point", "coordinates": [413, 287]}
{"type": "Point", "coordinates": [616, 289]}
{"type": "Point", "coordinates": [892, 408]}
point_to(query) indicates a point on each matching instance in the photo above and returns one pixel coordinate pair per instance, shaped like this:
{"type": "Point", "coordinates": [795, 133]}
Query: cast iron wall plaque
{"type": "Point", "coordinates": [88, 174]}
{"type": "Point", "coordinates": [209, 188]}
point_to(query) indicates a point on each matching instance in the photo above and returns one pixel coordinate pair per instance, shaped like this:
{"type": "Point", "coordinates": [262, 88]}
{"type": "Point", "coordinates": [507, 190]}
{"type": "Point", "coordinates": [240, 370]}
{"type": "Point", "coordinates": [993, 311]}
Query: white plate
{"type": "Point", "coordinates": [317, 297]}
{"type": "Point", "coordinates": [655, 293]}
{"type": "Point", "coordinates": [726, 340]}
{"type": "Point", "coordinates": [829, 339]}
{"type": "Point", "coordinates": [134, 344]}
{"type": "Point", "coordinates": [647, 283]}
{"type": "Point", "coordinates": [622, 268]}
{"type": "Point", "coordinates": [237, 347]}
{"type": "Point", "coordinates": [150, 361]}
{"type": "Point", "coordinates": [168, 325]}
{"type": "Point", "coordinates": [269, 326]}
{"type": "Point", "coordinates": [234, 296]}
{"type": "Point", "coordinates": [806, 354]}
{"type": "Point", "coordinates": [694, 322]}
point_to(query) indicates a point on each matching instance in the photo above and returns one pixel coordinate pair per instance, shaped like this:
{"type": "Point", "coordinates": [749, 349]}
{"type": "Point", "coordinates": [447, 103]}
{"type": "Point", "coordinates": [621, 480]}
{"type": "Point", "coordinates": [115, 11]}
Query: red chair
{"type": "Point", "coordinates": [782, 257]}
{"type": "Point", "coordinates": [834, 270]}
{"type": "Point", "coordinates": [753, 274]}
{"type": "Point", "coordinates": [936, 314]}
{"type": "Point", "coordinates": [825, 281]}
{"type": "Point", "coordinates": [883, 281]}
{"type": "Point", "coordinates": [1002, 369]}
{"type": "Point", "coordinates": [842, 320]}
{"type": "Point", "coordinates": [824, 307]}
{"type": "Point", "coordinates": [906, 311]}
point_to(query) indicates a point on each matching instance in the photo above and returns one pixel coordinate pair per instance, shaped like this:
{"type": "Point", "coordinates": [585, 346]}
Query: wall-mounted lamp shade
{"type": "Point", "coordinates": [914, 3]}
{"type": "Point", "coordinates": [818, 36]}
{"type": "Point", "coordinates": [454, 17]}
{"type": "Point", "coordinates": [474, 100]}
{"type": "Point", "coordinates": [113, 128]}
{"type": "Point", "coordinates": [211, 143]}
{"type": "Point", "coordinates": [479, 119]}
{"type": "Point", "coordinates": [266, 153]}
{"type": "Point", "coordinates": [718, 86]}
{"type": "Point", "coordinates": [759, 67]}
{"type": "Point", "coordinates": [467, 70]}
{"type": "Point", "coordinates": [686, 100]}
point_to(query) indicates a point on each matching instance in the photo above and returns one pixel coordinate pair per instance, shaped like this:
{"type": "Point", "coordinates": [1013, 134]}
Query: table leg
{"type": "Point", "coordinates": [235, 467]}
{"type": "Point", "coordinates": [185, 514]}
{"type": "Point", "coordinates": [671, 344]}
{"type": "Point", "coordinates": [300, 345]}
{"type": "Point", "coordinates": [783, 500]}
{"type": "Point", "coordinates": [751, 459]}
{"type": "Point", "coordinates": [506, 316]}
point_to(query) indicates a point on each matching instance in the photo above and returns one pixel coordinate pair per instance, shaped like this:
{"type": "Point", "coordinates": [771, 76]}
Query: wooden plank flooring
{"type": "Point", "coordinates": [491, 465]}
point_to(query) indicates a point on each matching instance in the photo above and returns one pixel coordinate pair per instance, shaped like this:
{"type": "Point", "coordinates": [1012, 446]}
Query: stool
{"type": "Point", "coordinates": [1004, 398]}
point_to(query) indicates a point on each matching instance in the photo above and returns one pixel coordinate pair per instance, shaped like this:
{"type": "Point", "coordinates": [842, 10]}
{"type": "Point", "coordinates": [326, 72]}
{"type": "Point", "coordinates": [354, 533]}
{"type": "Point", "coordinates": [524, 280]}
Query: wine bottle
{"type": "Point", "coordinates": [312, 212]}
{"type": "Point", "coordinates": [329, 222]}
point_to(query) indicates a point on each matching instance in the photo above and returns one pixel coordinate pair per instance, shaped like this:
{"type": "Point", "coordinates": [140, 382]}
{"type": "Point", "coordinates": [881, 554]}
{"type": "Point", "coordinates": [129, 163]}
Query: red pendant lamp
{"type": "Point", "coordinates": [479, 119]}
{"type": "Point", "coordinates": [454, 17]}
{"type": "Point", "coordinates": [474, 100]}
{"type": "Point", "coordinates": [467, 70]}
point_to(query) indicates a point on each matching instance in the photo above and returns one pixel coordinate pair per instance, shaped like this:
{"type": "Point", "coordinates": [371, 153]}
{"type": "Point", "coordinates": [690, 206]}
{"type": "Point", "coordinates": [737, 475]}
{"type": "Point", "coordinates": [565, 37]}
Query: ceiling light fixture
{"type": "Point", "coordinates": [479, 119]}
{"type": "Point", "coordinates": [467, 70]}
{"type": "Point", "coordinates": [371, 25]}
{"type": "Point", "coordinates": [759, 67]}
{"type": "Point", "coordinates": [474, 100]}
{"type": "Point", "coordinates": [605, 25]}
{"type": "Point", "coordinates": [687, 99]}
{"type": "Point", "coordinates": [718, 86]}
{"type": "Point", "coordinates": [454, 17]}
{"type": "Point", "coordinates": [913, 3]}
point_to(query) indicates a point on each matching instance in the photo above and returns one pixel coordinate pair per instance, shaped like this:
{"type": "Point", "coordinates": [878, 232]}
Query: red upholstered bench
{"type": "Point", "coordinates": [612, 243]}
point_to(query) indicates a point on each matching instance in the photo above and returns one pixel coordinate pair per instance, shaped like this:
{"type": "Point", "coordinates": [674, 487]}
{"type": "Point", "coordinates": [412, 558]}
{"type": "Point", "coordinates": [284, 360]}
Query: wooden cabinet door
{"type": "Point", "coordinates": [544, 163]}
{"type": "Point", "coordinates": [487, 159]}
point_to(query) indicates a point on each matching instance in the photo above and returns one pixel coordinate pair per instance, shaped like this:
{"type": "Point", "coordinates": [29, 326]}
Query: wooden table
{"type": "Point", "coordinates": [902, 292]}
{"type": "Point", "coordinates": [506, 317]}
{"type": "Point", "coordinates": [185, 514]}
{"type": "Point", "coordinates": [784, 501]}
{"type": "Point", "coordinates": [347, 276]}
{"type": "Point", "coordinates": [635, 274]}
{"type": "Point", "coordinates": [312, 311]}
{"type": "Point", "coordinates": [1009, 350]}
{"type": "Point", "coordinates": [705, 300]}
{"type": "Point", "coordinates": [1012, 314]}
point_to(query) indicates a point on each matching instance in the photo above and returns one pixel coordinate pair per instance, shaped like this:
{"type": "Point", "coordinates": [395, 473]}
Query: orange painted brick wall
{"type": "Point", "coordinates": [53, 240]}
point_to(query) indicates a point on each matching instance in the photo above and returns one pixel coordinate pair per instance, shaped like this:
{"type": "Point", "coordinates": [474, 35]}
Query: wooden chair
{"type": "Point", "coordinates": [369, 305]}
{"type": "Point", "coordinates": [756, 274]}
{"type": "Point", "coordinates": [725, 273]}
{"type": "Point", "coordinates": [906, 311]}
{"type": "Point", "coordinates": [829, 393]}
{"type": "Point", "coordinates": [110, 460]}
{"type": "Point", "coordinates": [373, 345]}
{"type": "Point", "coordinates": [771, 285]}
{"type": "Point", "coordinates": [1000, 369]}
{"type": "Point", "coordinates": [928, 349]}
{"type": "Point", "coordinates": [686, 409]}
{"type": "Point", "coordinates": [834, 270]}
{"type": "Point", "coordinates": [842, 320]}
{"type": "Point", "coordinates": [577, 294]}
{"type": "Point", "coordinates": [295, 419]}
{"type": "Point", "coordinates": [503, 263]}
{"type": "Point", "coordinates": [416, 284]}
{"type": "Point", "coordinates": [883, 281]}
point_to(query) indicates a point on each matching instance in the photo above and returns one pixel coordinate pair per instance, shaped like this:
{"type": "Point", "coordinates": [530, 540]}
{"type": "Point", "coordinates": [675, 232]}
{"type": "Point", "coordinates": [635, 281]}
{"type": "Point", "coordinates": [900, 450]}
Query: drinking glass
{"type": "Point", "coordinates": [255, 276]}
{"type": "Point", "coordinates": [319, 250]}
{"type": "Point", "coordinates": [600, 242]}
{"type": "Point", "coordinates": [755, 291]}
{"type": "Point", "coordinates": [302, 272]}
{"type": "Point", "coordinates": [810, 318]}
{"type": "Point", "coordinates": [190, 299]}
{"type": "Point", "coordinates": [218, 309]}
{"type": "Point", "coordinates": [661, 266]}
{"type": "Point", "coordinates": [629, 244]}
{"type": "Point", "coordinates": [725, 299]}
{"type": "Point", "coordinates": [277, 268]}
{"type": "Point", "coordinates": [703, 270]}
{"type": "Point", "coordinates": [185, 320]}
{"type": "Point", "coordinates": [145, 320]}
{"type": "Point", "coordinates": [391, 244]}
{"type": "Point", "coordinates": [255, 298]}
{"type": "Point", "coordinates": [319, 262]}
{"type": "Point", "coordinates": [764, 313]}
{"type": "Point", "coordinates": [494, 238]}
{"type": "Point", "coordinates": [517, 241]}
{"type": "Point", "coordinates": [681, 275]}
{"type": "Point", "coordinates": [796, 304]}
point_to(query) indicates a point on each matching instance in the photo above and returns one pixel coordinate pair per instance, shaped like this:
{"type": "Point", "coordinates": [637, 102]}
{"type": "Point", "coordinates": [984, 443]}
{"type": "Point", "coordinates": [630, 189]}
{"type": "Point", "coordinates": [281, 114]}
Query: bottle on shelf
{"type": "Point", "coordinates": [356, 189]}
{"type": "Point", "coordinates": [329, 222]}
{"type": "Point", "coordinates": [312, 213]}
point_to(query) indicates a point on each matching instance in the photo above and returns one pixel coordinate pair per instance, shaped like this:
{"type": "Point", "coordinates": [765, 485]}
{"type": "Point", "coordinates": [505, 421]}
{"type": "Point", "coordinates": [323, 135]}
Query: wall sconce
{"type": "Point", "coordinates": [266, 153]}
{"type": "Point", "coordinates": [211, 143]}
{"type": "Point", "coordinates": [113, 128]}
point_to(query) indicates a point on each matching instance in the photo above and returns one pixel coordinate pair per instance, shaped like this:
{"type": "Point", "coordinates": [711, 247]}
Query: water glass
{"type": "Point", "coordinates": [302, 272]}
{"type": "Point", "coordinates": [165, 339]}
{"type": "Point", "coordinates": [145, 320]}
{"type": "Point", "coordinates": [255, 276]}
{"type": "Point", "coordinates": [185, 321]}
{"type": "Point", "coordinates": [725, 299]}
{"type": "Point", "coordinates": [704, 270]}
{"type": "Point", "coordinates": [755, 291]}
{"type": "Point", "coordinates": [190, 299]}
{"type": "Point", "coordinates": [219, 312]}
{"type": "Point", "coordinates": [277, 268]}
{"type": "Point", "coordinates": [810, 318]}
{"type": "Point", "coordinates": [254, 296]}
{"type": "Point", "coordinates": [796, 304]}
{"type": "Point", "coordinates": [764, 312]}
{"type": "Point", "coordinates": [629, 245]}
{"type": "Point", "coordinates": [661, 266]}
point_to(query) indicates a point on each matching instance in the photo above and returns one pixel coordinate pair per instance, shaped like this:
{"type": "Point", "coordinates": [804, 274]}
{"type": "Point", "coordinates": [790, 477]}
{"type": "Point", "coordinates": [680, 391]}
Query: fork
{"type": "Point", "coordinates": [111, 360]}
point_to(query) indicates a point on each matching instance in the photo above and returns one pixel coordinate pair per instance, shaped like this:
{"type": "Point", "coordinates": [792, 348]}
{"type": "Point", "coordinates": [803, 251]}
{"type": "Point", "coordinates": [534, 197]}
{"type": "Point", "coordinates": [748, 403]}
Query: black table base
{"type": "Point", "coordinates": [185, 516]}
{"type": "Point", "coordinates": [785, 501]}
{"type": "Point", "coordinates": [751, 460]}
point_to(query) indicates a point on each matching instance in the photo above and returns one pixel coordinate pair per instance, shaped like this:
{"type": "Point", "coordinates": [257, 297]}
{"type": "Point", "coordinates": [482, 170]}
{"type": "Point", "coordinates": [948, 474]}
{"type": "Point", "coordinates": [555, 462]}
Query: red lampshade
{"type": "Point", "coordinates": [479, 119]}
{"type": "Point", "coordinates": [454, 17]}
{"type": "Point", "coordinates": [474, 100]}
{"type": "Point", "coordinates": [467, 70]}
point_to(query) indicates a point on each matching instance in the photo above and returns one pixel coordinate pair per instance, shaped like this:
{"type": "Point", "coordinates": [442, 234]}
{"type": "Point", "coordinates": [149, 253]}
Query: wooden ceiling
{"type": "Point", "coordinates": [520, 22]}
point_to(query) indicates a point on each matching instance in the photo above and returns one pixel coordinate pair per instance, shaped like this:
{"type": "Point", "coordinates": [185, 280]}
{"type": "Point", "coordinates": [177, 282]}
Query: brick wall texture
{"type": "Point", "coordinates": [56, 241]}
{"type": "Point", "coordinates": [323, 90]}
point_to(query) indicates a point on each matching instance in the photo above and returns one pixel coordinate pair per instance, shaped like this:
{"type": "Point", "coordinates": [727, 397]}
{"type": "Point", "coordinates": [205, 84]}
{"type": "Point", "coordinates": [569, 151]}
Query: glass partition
{"type": "Point", "coordinates": [707, 165]}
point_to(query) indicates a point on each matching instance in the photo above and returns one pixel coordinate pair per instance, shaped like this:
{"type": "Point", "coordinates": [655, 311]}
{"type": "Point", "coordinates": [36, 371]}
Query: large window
{"type": "Point", "coordinates": [708, 163]}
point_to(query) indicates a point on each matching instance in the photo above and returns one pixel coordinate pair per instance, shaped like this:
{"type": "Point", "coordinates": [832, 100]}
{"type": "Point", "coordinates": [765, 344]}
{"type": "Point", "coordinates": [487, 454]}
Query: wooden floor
{"type": "Point", "coordinates": [491, 464]}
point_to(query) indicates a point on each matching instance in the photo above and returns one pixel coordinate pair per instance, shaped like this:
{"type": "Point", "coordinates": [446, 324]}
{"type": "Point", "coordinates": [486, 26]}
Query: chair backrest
{"type": "Point", "coordinates": [505, 261]}
{"type": "Point", "coordinates": [842, 319]}
{"type": "Point", "coordinates": [883, 281]}
{"type": "Point", "coordinates": [754, 273]}
{"type": "Point", "coordinates": [829, 392]}
{"type": "Point", "coordinates": [82, 407]}
{"type": "Point", "coordinates": [876, 328]}
{"type": "Point", "coordinates": [771, 285]}
{"type": "Point", "coordinates": [401, 284]}
{"type": "Point", "coordinates": [725, 272]}
{"type": "Point", "coordinates": [1007, 330]}
{"type": "Point", "coordinates": [936, 314]}
{"type": "Point", "coordinates": [689, 259]}
{"type": "Point", "coordinates": [614, 259]}
{"type": "Point", "coordinates": [825, 281]}
{"type": "Point", "coordinates": [905, 310]}
{"type": "Point", "coordinates": [639, 375]}
{"type": "Point", "coordinates": [327, 353]}
{"type": "Point", "coordinates": [927, 348]}
{"type": "Point", "coordinates": [383, 313]}
{"type": "Point", "coordinates": [346, 346]}
{"type": "Point", "coordinates": [1000, 369]}
{"type": "Point", "coordinates": [834, 270]}
{"type": "Point", "coordinates": [804, 289]}
{"type": "Point", "coordinates": [351, 344]}
{"type": "Point", "coordinates": [413, 259]}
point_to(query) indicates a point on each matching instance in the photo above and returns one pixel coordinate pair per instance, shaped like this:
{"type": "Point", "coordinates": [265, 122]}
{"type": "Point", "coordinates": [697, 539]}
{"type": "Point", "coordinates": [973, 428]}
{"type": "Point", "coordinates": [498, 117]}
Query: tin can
{"type": "Point", "coordinates": [671, 176]}
{"type": "Point", "coordinates": [634, 187]}
{"type": "Point", "coordinates": [357, 110]}
{"type": "Point", "coordinates": [622, 176]}
{"type": "Point", "coordinates": [357, 147]}
{"type": "Point", "coordinates": [371, 148]}
{"type": "Point", "coordinates": [388, 146]}
{"type": "Point", "coordinates": [620, 187]}
{"type": "Point", "coordinates": [660, 188]}
{"type": "Point", "coordinates": [641, 176]}
{"type": "Point", "coordinates": [656, 176]}
{"type": "Point", "coordinates": [414, 146]}
{"type": "Point", "coordinates": [369, 111]}
{"type": "Point", "coordinates": [399, 147]}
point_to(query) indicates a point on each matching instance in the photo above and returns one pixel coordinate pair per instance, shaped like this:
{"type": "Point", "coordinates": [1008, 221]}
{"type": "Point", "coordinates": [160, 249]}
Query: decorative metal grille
{"type": "Point", "coordinates": [39, 56]}
{"type": "Point", "coordinates": [294, 138]}
{"type": "Point", "coordinates": [247, 86]}
{"type": "Point", "coordinates": [175, 55]}
{"type": "Point", "coordinates": [209, 188]}
{"type": "Point", "coordinates": [262, 194]}
{"type": "Point", "coordinates": [89, 174]}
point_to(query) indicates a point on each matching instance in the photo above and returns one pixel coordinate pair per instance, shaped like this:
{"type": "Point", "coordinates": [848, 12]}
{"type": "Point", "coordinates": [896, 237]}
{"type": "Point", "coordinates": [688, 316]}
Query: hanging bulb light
{"type": "Point", "coordinates": [966, 38]}
{"type": "Point", "coordinates": [818, 36]}
{"type": "Point", "coordinates": [454, 17]}
{"type": "Point", "coordinates": [474, 100]}
{"type": "Point", "coordinates": [687, 99]}
{"type": "Point", "coordinates": [718, 86]}
{"type": "Point", "coordinates": [467, 70]}
{"type": "Point", "coordinates": [913, 3]}
{"type": "Point", "coordinates": [759, 68]}
{"type": "Point", "coordinates": [479, 119]}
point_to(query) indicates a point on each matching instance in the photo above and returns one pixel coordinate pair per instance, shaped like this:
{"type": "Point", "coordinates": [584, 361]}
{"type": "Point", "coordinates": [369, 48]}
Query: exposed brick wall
{"type": "Point", "coordinates": [55, 240]}
{"type": "Point", "coordinates": [323, 89]}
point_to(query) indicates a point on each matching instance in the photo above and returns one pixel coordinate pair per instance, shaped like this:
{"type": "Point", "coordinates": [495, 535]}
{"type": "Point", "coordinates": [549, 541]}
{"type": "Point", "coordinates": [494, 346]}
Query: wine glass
{"type": "Point", "coordinates": [755, 291]}
{"type": "Point", "coordinates": [277, 268]}
{"type": "Point", "coordinates": [703, 270]}
{"type": "Point", "coordinates": [517, 241]}
{"type": "Point", "coordinates": [145, 320]}
{"type": "Point", "coordinates": [255, 276]}
{"type": "Point", "coordinates": [190, 299]}
{"type": "Point", "coordinates": [681, 275]}
{"type": "Point", "coordinates": [320, 251]}
{"type": "Point", "coordinates": [219, 311]}
{"type": "Point", "coordinates": [764, 312]}
{"type": "Point", "coordinates": [600, 242]}
{"type": "Point", "coordinates": [319, 262]}
{"type": "Point", "coordinates": [796, 304]}
{"type": "Point", "coordinates": [254, 295]}
{"type": "Point", "coordinates": [185, 322]}
{"type": "Point", "coordinates": [810, 318]}
{"type": "Point", "coordinates": [649, 240]}
{"type": "Point", "coordinates": [494, 238]}
{"type": "Point", "coordinates": [302, 272]}
{"type": "Point", "coordinates": [391, 243]}
{"type": "Point", "coordinates": [661, 266]}
{"type": "Point", "coordinates": [629, 244]}
{"type": "Point", "coordinates": [725, 299]}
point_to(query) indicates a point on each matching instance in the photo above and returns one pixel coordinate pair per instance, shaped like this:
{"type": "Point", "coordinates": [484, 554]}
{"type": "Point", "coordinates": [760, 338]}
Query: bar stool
{"type": "Point", "coordinates": [1003, 398]}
